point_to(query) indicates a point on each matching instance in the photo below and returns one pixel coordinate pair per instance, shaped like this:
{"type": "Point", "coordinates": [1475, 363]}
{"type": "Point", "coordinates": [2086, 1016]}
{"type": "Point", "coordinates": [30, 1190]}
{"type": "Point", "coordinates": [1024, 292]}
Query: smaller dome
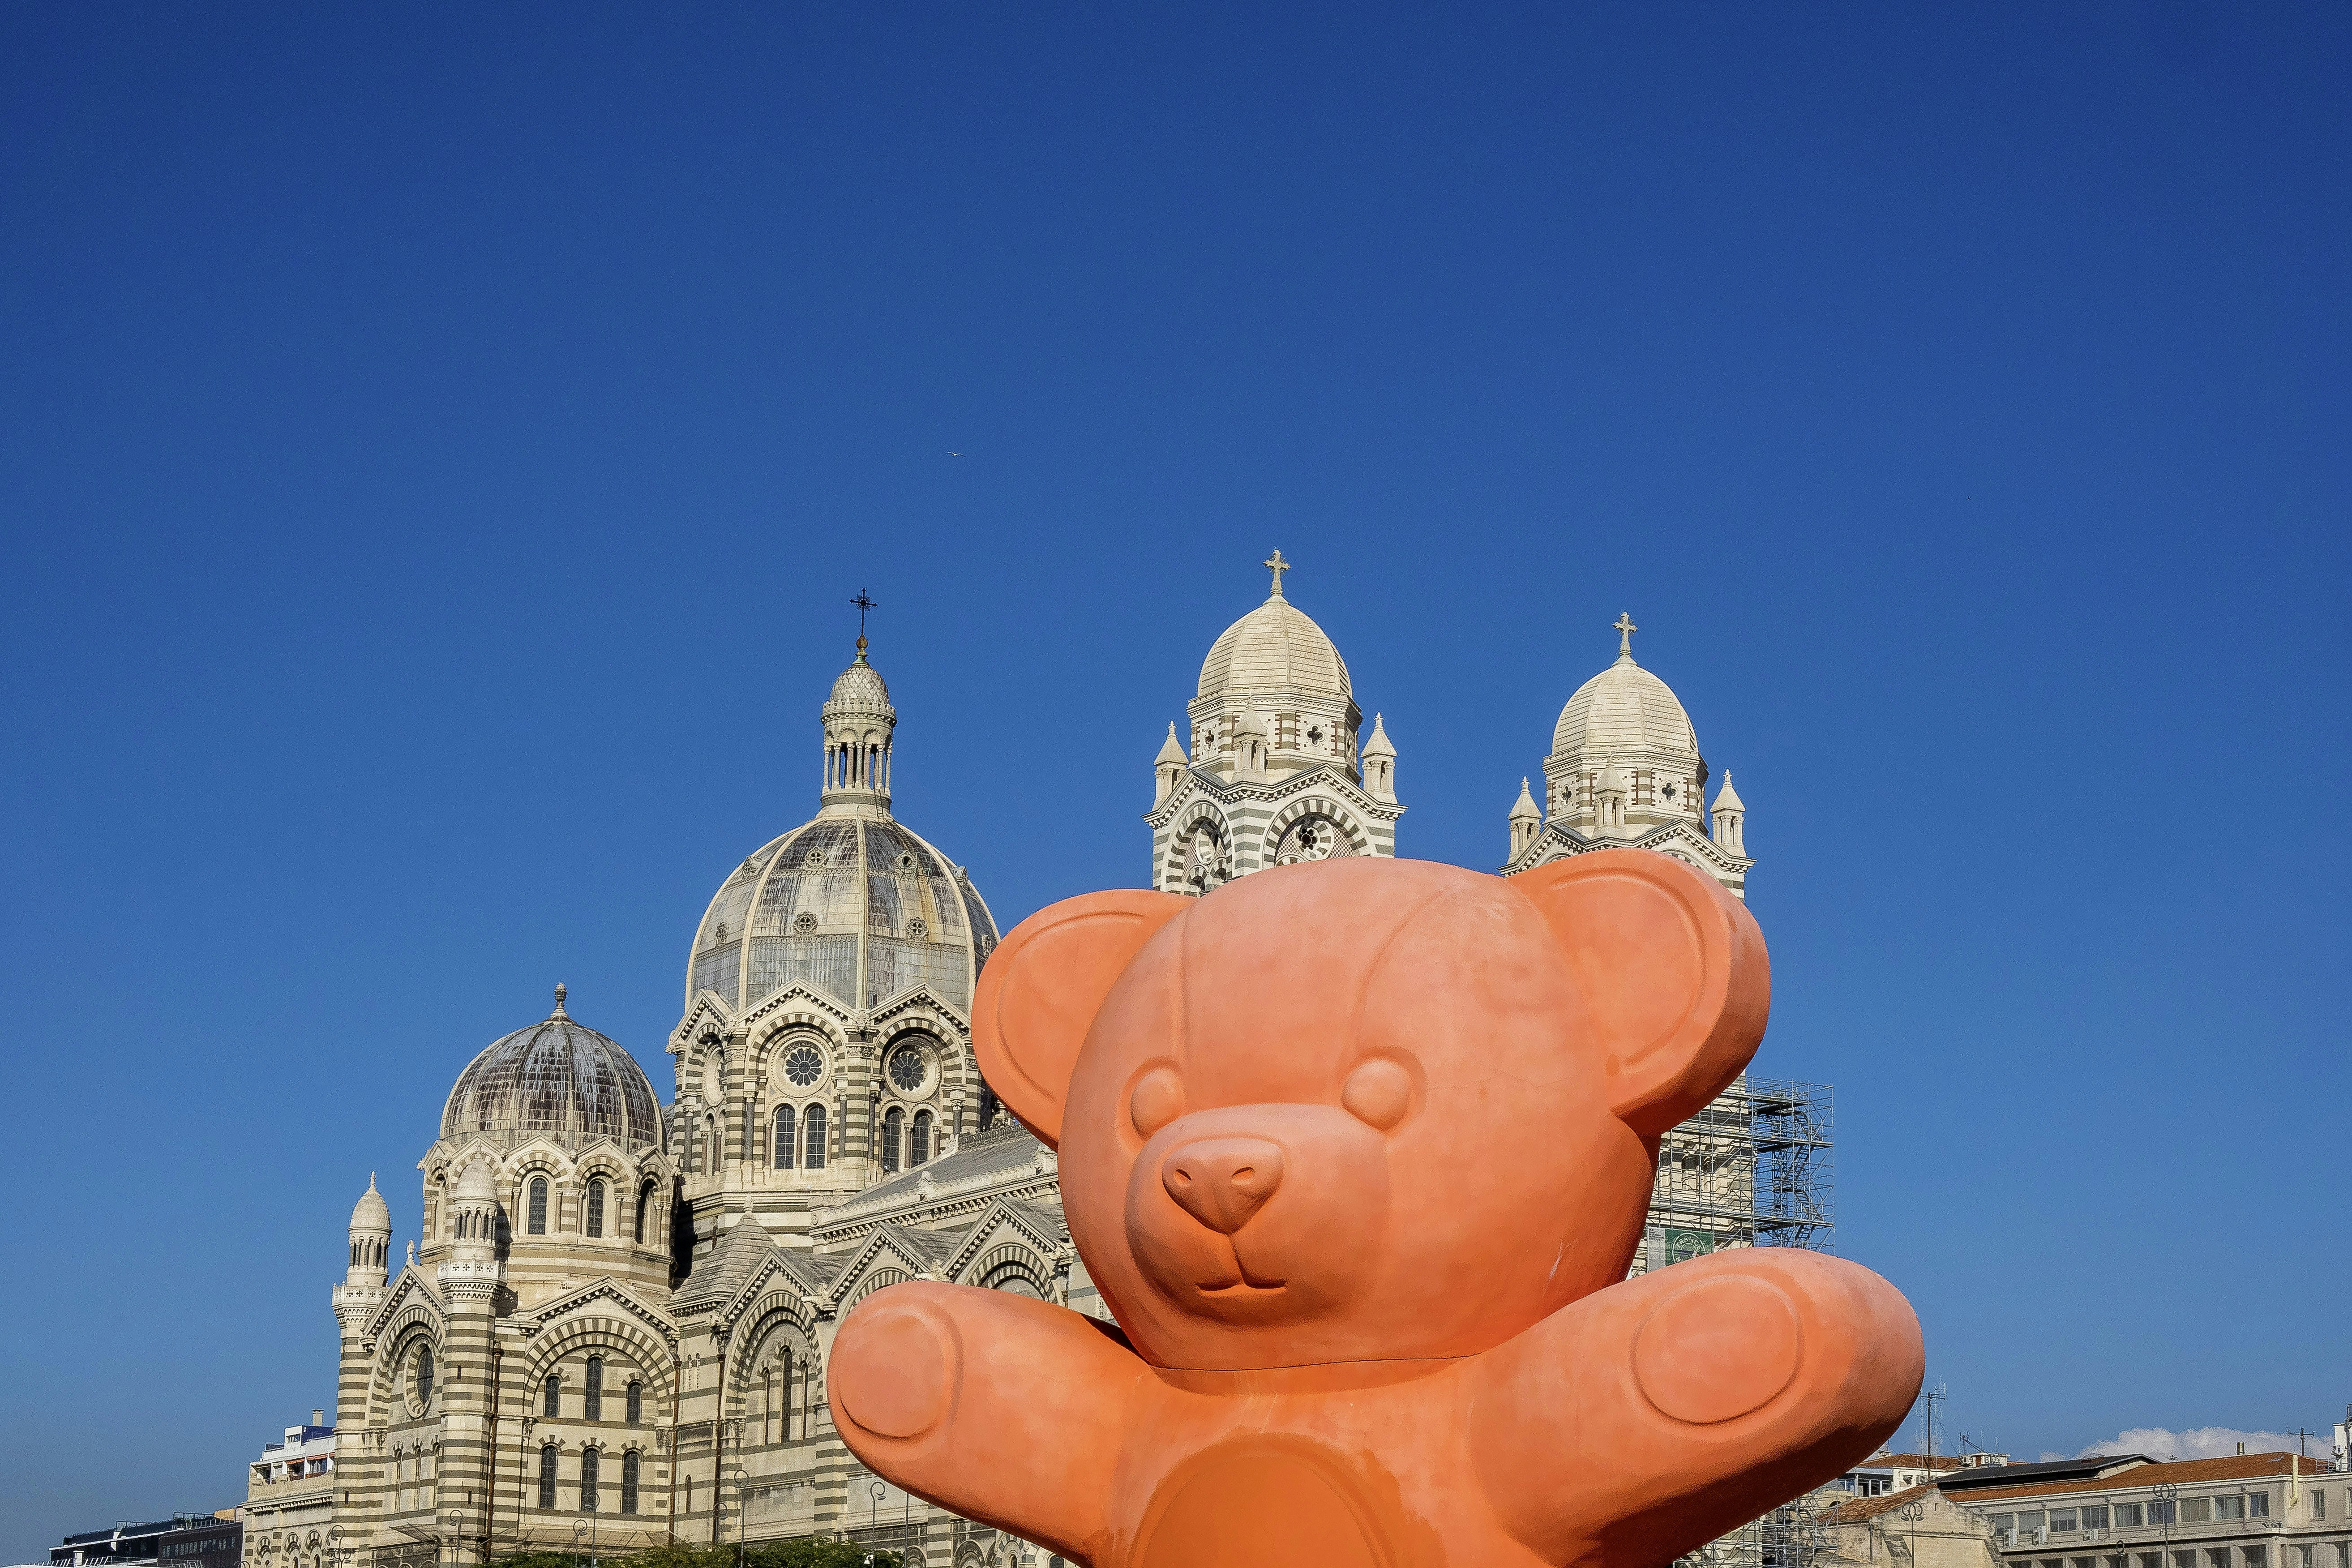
{"type": "Point", "coordinates": [1728, 798]}
{"type": "Point", "coordinates": [475, 1186]}
{"type": "Point", "coordinates": [1524, 809]}
{"type": "Point", "coordinates": [1624, 708]}
{"type": "Point", "coordinates": [1171, 749]}
{"type": "Point", "coordinates": [557, 1077]}
{"type": "Point", "coordinates": [1275, 647]}
{"type": "Point", "coordinates": [859, 690]}
{"type": "Point", "coordinates": [1379, 745]}
{"type": "Point", "coordinates": [1611, 781]}
{"type": "Point", "coordinates": [1253, 723]}
{"type": "Point", "coordinates": [370, 1213]}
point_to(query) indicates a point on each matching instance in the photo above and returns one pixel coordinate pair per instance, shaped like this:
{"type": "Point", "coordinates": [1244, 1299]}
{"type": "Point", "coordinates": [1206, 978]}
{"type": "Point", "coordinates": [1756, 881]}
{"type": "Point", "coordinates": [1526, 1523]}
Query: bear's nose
{"type": "Point", "coordinates": [1221, 1182]}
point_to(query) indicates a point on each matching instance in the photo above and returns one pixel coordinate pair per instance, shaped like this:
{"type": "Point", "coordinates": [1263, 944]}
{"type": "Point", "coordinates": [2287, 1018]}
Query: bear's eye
{"type": "Point", "coordinates": [1377, 1093]}
{"type": "Point", "coordinates": [1158, 1100]}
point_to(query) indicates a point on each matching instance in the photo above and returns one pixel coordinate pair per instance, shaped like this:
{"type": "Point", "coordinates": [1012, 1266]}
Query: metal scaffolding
{"type": "Point", "coordinates": [1753, 1169]}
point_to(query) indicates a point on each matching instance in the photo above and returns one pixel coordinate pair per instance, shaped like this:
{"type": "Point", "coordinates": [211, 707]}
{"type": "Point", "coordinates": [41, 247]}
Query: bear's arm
{"type": "Point", "coordinates": [1003, 1408]}
{"type": "Point", "coordinates": [1660, 1414]}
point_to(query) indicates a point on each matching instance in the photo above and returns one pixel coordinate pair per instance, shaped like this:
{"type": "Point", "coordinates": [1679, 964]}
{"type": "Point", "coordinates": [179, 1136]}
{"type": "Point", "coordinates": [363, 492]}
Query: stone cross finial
{"type": "Point", "coordinates": [1624, 628]}
{"type": "Point", "coordinates": [1276, 564]}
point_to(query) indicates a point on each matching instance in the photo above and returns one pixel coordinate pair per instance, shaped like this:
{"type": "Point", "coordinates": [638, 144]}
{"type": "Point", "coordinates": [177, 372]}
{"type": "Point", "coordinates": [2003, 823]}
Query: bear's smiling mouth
{"type": "Point", "coordinates": [1240, 1283]}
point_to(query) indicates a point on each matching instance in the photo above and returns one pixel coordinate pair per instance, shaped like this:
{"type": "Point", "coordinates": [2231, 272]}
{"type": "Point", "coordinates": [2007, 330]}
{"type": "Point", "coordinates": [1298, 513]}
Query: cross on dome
{"type": "Point", "coordinates": [1276, 564]}
{"type": "Point", "coordinates": [864, 602]}
{"type": "Point", "coordinates": [1624, 628]}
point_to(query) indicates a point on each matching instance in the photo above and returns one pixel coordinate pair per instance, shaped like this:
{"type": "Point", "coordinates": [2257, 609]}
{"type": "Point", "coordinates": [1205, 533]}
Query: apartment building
{"type": "Point", "coordinates": [2125, 1510]}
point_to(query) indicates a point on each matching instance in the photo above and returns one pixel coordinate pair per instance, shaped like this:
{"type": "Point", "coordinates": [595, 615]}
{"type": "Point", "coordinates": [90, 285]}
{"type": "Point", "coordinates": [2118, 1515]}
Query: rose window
{"type": "Point", "coordinates": [801, 1065]}
{"type": "Point", "coordinates": [1310, 838]}
{"type": "Point", "coordinates": [908, 1067]}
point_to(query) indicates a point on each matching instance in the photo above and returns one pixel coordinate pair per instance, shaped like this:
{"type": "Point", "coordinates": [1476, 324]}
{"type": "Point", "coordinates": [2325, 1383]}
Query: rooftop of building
{"type": "Point", "coordinates": [2120, 1471]}
{"type": "Point", "coordinates": [1855, 1510]}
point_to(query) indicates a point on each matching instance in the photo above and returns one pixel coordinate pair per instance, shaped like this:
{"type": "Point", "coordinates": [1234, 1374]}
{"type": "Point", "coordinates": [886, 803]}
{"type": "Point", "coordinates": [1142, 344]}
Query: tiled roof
{"type": "Point", "coordinates": [1863, 1507]}
{"type": "Point", "coordinates": [931, 1247]}
{"type": "Point", "coordinates": [2236, 1468]}
{"type": "Point", "coordinates": [717, 1277]}
{"type": "Point", "coordinates": [2084, 1466]}
{"type": "Point", "coordinates": [999, 1152]}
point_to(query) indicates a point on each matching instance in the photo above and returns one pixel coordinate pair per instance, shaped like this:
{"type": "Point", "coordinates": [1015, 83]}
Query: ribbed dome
{"type": "Point", "coordinates": [556, 1078]}
{"type": "Point", "coordinates": [369, 1214]}
{"type": "Point", "coordinates": [1275, 647]}
{"type": "Point", "coordinates": [473, 1185]}
{"type": "Point", "coordinates": [859, 690]}
{"type": "Point", "coordinates": [858, 908]}
{"type": "Point", "coordinates": [1624, 708]}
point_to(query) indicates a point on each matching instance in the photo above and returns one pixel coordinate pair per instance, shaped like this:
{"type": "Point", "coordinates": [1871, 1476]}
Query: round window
{"type": "Point", "coordinates": [803, 923]}
{"type": "Point", "coordinates": [423, 1377]}
{"type": "Point", "coordinates": [917, 928]}
{"type": "Point", "coordinates": [906, 1067]}
{"type": "Point", "coordinates": [803, 1063]}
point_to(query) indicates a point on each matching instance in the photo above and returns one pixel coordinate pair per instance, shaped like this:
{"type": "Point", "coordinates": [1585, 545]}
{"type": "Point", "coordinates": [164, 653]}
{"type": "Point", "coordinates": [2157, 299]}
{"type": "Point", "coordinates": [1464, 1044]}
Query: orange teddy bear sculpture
{"type": "Point", "coordinates": [1358, 1152]}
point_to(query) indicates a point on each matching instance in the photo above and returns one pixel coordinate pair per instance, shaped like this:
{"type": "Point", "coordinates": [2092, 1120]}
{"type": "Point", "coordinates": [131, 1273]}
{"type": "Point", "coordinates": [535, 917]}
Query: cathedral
{"type": "Point", "coordinates": [611, 1332]}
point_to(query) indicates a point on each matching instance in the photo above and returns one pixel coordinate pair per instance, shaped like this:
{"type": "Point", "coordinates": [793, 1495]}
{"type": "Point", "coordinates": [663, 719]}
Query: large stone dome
{"type": "Point", "coordinates": [1276, 647]}
{"type": "Point", "coordinates": [1622, 711]}
{"type": "Point", "coordinates": [857, 907]}
{"type": "Point", "coordinates": [559, 1078]}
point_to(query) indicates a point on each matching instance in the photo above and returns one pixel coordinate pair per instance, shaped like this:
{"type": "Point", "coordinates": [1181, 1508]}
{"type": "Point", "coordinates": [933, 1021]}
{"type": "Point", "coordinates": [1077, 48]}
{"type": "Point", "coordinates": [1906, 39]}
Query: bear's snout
{"type": "Point", "coordinates": [1222, 1182]}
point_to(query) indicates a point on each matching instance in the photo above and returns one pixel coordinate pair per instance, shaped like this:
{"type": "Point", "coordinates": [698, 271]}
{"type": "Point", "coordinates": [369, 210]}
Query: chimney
{"type": "Point", "coordinates": [318, 1418]}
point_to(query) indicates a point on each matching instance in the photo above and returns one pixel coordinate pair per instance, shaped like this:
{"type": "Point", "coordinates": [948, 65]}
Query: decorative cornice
{"type": "Point", "coordinates": [1559, 841]}
{"type": "Point", "coordinates": [412, 1284]}
{"type": "Point", "coordinates": [1200, 781]}
{"type": "Point", "coordinates": [545, 1316]}
{"type": "Point", "coordinates": [983, 1234]}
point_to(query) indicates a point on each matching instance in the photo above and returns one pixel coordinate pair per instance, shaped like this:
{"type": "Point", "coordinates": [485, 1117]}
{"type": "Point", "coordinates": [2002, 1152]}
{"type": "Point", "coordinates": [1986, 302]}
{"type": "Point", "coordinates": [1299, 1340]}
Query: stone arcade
{"type": "Point", "coordinates": [622, 1309]}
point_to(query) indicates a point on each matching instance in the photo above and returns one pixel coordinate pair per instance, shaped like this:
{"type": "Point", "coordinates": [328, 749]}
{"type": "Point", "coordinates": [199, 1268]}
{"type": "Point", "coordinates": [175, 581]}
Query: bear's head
{"type": "Point", "coordinates": [1368, 1110]}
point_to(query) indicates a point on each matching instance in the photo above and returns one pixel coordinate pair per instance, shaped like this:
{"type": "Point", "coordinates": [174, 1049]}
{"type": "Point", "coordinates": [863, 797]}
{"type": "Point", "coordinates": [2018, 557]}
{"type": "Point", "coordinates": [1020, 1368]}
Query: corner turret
{"type": "Point", "coordinates": [1379, 763]}
{"type": "Point", "coordinates": [1167, 767]}
{"type": "Point", "coordinates": [1730, 819]}
{"type": "Point", "coordinates": [1525, 821]}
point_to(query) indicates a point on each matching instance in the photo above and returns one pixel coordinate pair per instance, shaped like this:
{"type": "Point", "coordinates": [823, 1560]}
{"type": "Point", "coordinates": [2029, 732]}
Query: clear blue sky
{"type": "Point", "coordinates": [437, 446]}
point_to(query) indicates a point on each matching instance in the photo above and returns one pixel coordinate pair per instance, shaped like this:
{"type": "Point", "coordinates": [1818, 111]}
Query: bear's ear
{"type": "Point", "coordinates": [1041, 988]}
{"type": "Point", "coordinates": [1671, 970]}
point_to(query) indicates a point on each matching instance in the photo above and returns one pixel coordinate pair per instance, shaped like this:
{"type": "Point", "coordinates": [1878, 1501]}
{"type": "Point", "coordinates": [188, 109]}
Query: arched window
{"type": "Point", "coordinates": [894, 1124]}
{"type": "Point", "coordinates": [629, 1479]}
{"type": "Point", "coordinates": [551, 1408]}
{"type": "Point", "coordinates": [539, 1205]}
{"type": "Point", "coordinates": [644, 1202]}
{"type": "Point", "coordinates": [636, 1402]}
{"type": "Point", "coordinates": [783, 1142]}
{"type": "Point", "coordinates": [588, 1458]}
{"type": "Point", "coordinates": [547, 1470]}
{"type": "Point", "coordinates": [750, 1133]}
{"type": "Point", "coordinates": [919, 1146]}
{"type": "Point", "coordinates": [596, 1206]}
{"type": "Point", "coordinates": [812, 1139]}
{"type": "Point", "coordinates": [424, 1376]}
{"type": "Point", "coordinates": [593, 1390]}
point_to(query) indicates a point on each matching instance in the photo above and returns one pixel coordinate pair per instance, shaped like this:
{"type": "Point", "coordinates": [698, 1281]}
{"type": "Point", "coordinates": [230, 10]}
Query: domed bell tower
{"type": "Point", "coordinates": [858, 722]}
{"type": "Point", "coordinates": [361, 1291]}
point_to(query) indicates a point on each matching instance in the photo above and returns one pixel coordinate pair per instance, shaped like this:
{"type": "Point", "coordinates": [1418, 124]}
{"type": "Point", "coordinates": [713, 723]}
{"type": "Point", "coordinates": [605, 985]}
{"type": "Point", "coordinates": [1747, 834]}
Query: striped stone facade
{"type": "Point", "coordinates": [1275, 772]}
